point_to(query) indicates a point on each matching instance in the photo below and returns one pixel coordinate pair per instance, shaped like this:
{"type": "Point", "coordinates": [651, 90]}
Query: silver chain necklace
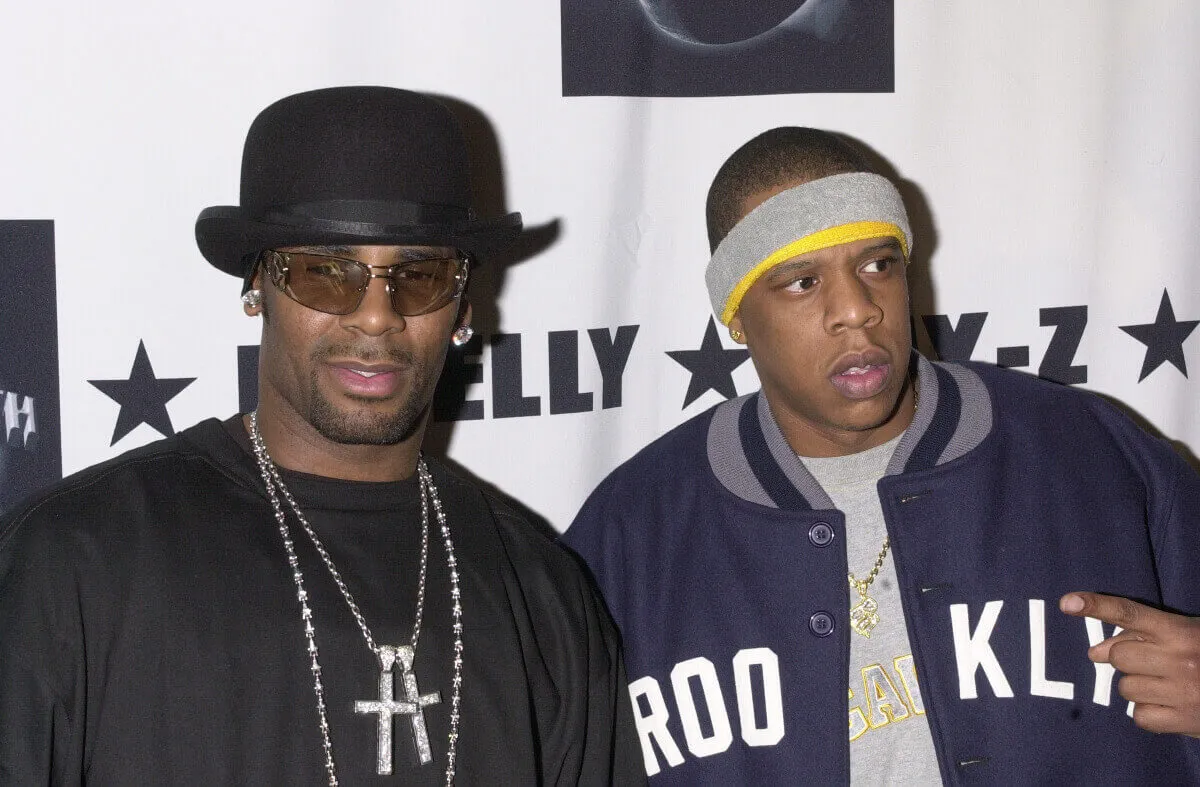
{"type": "Point", "coordinates": [387, 706]}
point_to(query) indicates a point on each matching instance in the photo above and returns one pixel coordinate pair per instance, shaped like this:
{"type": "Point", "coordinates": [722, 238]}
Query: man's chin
{"type": "Point", "coordinates": [342, 433]}
{"type": "Point", "coordinates": [366, 425]}
{"type": "Point", "coordinates": [865, 415]}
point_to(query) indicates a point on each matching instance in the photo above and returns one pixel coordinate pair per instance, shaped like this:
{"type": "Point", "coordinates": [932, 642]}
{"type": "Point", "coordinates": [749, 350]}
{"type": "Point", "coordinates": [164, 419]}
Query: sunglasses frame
{"type": "Point", "coordinates": [275, 264]}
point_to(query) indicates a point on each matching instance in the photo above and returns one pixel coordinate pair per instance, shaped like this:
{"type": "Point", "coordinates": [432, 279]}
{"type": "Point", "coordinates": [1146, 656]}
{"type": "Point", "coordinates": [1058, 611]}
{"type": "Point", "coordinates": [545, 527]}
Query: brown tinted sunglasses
{"type": "Point", "coordinates": [336, 285]}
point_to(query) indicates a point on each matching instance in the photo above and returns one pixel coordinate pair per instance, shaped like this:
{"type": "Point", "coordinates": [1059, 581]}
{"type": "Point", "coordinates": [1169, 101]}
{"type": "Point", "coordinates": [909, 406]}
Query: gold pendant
{"type": "Point", "coordinates": [864, 615]}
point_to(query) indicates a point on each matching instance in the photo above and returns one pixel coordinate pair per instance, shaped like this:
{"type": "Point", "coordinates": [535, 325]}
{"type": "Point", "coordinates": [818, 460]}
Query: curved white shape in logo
{"type": "Point", "coordinates": [818, 18]}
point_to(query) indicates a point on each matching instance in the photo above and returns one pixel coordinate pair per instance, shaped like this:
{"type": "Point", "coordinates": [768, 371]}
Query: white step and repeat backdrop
{"type": "Point", "coordinates": [1050, 153]}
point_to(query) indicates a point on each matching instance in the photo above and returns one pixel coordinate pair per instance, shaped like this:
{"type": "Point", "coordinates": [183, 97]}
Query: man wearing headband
{"type": "Point", "coordinates": [297, 595]}
{"type": "Point", "coordinates": [912, 527]}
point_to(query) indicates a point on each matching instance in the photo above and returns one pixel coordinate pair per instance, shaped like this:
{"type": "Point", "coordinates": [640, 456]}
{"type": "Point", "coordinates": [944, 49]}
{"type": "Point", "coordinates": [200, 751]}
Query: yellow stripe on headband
{"type": "Point", "coordinates": [823, 239]}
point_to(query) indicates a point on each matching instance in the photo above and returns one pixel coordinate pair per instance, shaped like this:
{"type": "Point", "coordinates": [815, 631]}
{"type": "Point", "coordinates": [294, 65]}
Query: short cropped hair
{"type": "Point", "coordinates": [775, 158]}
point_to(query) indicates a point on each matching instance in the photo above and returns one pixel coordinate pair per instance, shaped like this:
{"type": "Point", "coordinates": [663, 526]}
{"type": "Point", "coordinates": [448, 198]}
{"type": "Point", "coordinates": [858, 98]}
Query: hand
{"type": "Point", "coordinates": [1158, 654]}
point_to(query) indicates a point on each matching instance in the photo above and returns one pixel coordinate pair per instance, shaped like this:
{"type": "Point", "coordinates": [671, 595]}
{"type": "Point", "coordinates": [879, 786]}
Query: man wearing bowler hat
{"type": "Point", "coordinates": [297, 595]}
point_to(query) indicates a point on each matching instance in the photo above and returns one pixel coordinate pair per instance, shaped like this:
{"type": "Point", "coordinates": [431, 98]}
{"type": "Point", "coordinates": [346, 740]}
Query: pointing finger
{"type": "Point", "coordinates": [1129, 615]}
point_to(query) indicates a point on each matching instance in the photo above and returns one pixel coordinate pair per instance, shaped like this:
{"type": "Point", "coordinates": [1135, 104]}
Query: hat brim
{"type": "Point", "coordinates": [231, 240]}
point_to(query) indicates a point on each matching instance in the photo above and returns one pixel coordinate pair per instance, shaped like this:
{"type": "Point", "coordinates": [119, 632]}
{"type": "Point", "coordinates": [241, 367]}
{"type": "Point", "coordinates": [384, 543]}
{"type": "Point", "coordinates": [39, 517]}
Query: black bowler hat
{"type": "Point", "coordinates": [351, 166]}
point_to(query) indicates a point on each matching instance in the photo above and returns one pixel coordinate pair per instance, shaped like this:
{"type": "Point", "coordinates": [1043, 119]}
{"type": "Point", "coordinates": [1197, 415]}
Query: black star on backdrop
{"type": "Point", "coordinates": [711, 366]}
{"type": "Point", "coordinates": [1163, 338]}
{"type": "Point", "coordinates": [143, 397]}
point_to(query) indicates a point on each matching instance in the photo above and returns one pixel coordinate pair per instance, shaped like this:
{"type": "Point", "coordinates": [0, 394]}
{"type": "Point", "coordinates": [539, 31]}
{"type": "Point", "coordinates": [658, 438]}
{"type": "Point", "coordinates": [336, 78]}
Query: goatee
{"type": "Point", "coordinates": [363, 426]}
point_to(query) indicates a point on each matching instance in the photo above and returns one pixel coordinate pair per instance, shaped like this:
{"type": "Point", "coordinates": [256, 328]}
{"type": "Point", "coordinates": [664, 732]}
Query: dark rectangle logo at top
{"type": "Point", "coordinates": [727, 47]}
{"type": "Point", "coordinates": [30, 441]}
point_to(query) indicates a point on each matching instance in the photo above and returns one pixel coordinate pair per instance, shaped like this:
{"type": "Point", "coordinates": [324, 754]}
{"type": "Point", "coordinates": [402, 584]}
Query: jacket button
{"type": "Point", "coordinates": [821, 534]}
{"type": "Point", "coordinates": [821, 624]}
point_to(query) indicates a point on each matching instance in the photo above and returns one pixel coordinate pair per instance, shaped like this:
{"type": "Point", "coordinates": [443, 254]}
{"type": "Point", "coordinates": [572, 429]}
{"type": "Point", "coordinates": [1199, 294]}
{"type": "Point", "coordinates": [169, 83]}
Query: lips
{"type": "Point", "coordinates": [363, 379]}
{"type": "Point", "coordinates": [861, 375]}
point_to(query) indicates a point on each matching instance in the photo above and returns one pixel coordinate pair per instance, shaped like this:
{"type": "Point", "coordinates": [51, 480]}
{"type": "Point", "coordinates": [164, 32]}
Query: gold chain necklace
{"type": "Point", "coordinates": [864, 616]}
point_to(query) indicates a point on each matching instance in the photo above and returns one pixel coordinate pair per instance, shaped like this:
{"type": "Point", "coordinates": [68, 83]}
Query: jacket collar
{"type": "Point", "coordinates": [750, 457]}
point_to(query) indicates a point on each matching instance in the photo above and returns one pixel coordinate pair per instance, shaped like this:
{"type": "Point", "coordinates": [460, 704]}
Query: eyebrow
{"type": "Point", "coordinates": [404, 255]}
{"type": "Point", "coordinates": [792, 267]}
{"type": "Point", "coordinates": [789, 268]}
{"type": "Point", "coordinates": [342, 250]}
{"type": "Point", "coordinates": [795, 266]}
{"type": "Point", "coordinates": [411, 255]}
{"type": "Point", "coordinates": [889, 244]}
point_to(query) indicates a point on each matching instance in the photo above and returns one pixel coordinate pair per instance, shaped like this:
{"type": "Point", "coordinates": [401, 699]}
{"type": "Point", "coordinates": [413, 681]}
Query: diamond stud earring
{"type": "Point", "coordinates": [253, 299]}
{"type": "Point", "coordinates": [462, 334]}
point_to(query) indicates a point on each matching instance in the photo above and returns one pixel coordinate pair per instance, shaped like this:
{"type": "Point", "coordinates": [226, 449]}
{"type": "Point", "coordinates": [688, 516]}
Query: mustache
{"type": "Point", "coordinates": [367, 353]}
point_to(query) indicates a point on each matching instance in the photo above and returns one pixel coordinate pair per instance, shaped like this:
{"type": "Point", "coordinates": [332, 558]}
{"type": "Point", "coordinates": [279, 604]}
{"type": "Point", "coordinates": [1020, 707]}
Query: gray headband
{"type": "Point", "coordinates": [815, 215]}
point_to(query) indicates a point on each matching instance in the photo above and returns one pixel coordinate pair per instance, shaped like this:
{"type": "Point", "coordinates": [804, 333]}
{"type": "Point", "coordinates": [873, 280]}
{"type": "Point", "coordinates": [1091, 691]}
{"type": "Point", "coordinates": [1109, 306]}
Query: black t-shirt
{"type": "Point", "coordinates": [150, 632]}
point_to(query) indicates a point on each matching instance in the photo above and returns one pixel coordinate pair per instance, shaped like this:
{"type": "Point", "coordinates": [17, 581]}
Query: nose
{"type": "Point", "coordinates": [375, 315]}
{"type": "Point", "coordinates": [849, 304]}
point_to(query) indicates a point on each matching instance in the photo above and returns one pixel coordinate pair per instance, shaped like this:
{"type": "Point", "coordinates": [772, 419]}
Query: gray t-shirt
{"type": "Point", "coordinates": [890, 742]}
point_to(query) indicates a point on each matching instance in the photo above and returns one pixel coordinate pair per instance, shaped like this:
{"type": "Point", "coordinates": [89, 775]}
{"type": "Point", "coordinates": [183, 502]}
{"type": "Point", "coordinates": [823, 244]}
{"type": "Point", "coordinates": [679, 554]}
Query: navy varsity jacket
{"type": "Point", "coordinates": [724, 565]}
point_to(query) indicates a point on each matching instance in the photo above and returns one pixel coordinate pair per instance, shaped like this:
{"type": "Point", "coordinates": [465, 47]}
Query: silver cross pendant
{"type": "Point", "coordinates": [387, 706]}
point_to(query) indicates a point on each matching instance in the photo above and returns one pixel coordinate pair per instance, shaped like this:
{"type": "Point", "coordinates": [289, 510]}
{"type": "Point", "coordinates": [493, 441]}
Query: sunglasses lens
{"type": "Point", "coordinates": [424, 286]}
{"type": "Point", "coordinates": [326, 284]}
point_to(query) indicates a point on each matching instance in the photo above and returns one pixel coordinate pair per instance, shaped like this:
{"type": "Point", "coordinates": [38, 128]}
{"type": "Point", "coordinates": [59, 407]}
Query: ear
{"type": "Point", "coordinates": [736, 330]}
{"type": "Point", "coordinates": [253, 309]}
